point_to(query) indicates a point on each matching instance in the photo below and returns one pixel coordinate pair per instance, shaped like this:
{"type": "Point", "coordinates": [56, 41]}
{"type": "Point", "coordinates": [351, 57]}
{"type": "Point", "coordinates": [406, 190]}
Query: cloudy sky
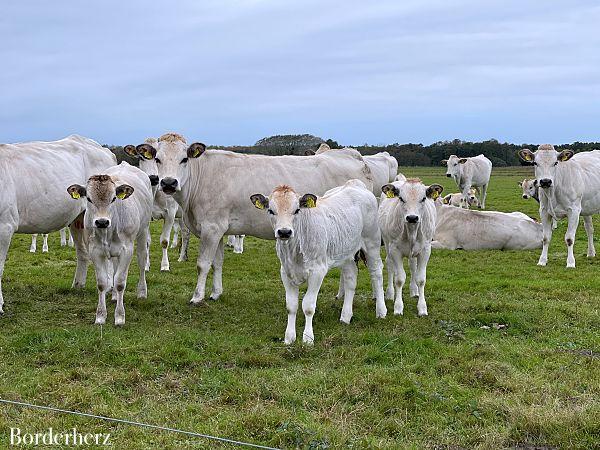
{"type": "Point", "coordinates": [231, 72]}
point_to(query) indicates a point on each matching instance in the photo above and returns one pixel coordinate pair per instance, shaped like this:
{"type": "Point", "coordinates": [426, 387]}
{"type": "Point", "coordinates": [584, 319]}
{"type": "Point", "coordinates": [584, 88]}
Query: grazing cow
{"type": "Point", "coordinates": [315, 234]}
{"type": "Point", "coordinates": [407, 217]}
{"type": "Point", "coordinates": [165, 208]}
{"type": "Point", "coordinates": [237, 242]}
{"type": "Point", "coordinates": [63, 240]}
{"type": "Point", "coordinates": [470, 172]}
{"type": "Point", "coordinates": [456, 199]}
{"type": "Point", "coordinates": [200, 180]}
{"type": "Point", "coordinates": [465, 229]}
{"type": "Point", "coordinates": [32, 201]}
{"type": "Point", "coordinates": [118, 213]}
{"type": "Point", "coordinates": [531, 190]}
{"type": "Point", "coordinates": [567, 189]}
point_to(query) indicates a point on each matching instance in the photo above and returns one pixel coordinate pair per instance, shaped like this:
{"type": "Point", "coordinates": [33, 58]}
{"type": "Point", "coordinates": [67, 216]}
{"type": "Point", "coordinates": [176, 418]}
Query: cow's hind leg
{"type": "Point", "coordinates": [63, 237]}
{"type": "Point", "coordinates": [210, 238]}
{"type": "Point", "coordinates": [573, 217]}
{"type": "Point", "coordinates": [349, 274]}
{"type": "Point", "coordinates": [142, 257]}
{"type": "Point", "coordinates": [45, 243]}
{"type": "Point", "coordinates": [185, 241]}
{"type": "Point", "coordinates": [33, 246]}
{"type": "Point", "coordinates": [6, 233]}
{"type": "Point", "coordinates": [589, 231]}
{"type": "Point", "coordinates": [375, 266]}
{"type": "Point", "coordinates": [176, 229]}
{"type": "Point", "coordinates": [217, 265]}
{"type": "Point", "coordinates": [80, 238]}
{"type": "Point", "coordinates": [414, 288]}
{"type": "Point", "coordinates": [483, 196]}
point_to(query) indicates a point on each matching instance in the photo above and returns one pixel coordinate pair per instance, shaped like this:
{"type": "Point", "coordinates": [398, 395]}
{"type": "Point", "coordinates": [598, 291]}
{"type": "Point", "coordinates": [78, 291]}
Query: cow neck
{"type": "Point", "coordinates": [187, 195]}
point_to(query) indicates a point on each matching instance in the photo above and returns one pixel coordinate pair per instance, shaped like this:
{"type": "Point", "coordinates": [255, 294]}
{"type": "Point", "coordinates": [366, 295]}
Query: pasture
{"type": "Point", "coordinates": [509, 355]}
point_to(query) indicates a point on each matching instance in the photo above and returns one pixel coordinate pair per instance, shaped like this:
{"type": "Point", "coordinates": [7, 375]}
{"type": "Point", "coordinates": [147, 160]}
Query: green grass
{"type": "Point", "coordinates": [402, 382]}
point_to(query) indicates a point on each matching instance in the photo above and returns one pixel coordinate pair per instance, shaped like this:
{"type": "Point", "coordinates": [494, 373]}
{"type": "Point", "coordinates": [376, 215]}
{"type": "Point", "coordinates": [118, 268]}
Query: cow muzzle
{"type": "Point", "coordinates": [412, 218]}
{"type": "Point", "coordinates": [284, 233]}
{"type": "Point", "coordinates": [545, 183]}
{"type": "Point", "coordinates": [525, 196]}
{"type": "Point", "coordinates": [448, 175]}
{"type": "Point", "coordinates": [102, 223]}
{"type": "Point", "coordinates": [153, 179]}
{"type": "Point", "coordinates": [169, 185]}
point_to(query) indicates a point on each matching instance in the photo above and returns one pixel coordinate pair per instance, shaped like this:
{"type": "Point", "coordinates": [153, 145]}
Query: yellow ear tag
{"type": "Point", "coordinates": [259, 205]}
{"type": "Point", "coordinates": [196, 153]}
{"type": "Point", "coordinates": [390, 194]}
{"type": "Point", "coordinates": [435, 195]}
{"type": "Point", "coordinates": [122, 195]}
{"type": "Point", "coordinates": [147, 154]}
{"type": "Point", "coordinates": [310, 202]}
{"type": "Point", "coordinates": [75, 195]}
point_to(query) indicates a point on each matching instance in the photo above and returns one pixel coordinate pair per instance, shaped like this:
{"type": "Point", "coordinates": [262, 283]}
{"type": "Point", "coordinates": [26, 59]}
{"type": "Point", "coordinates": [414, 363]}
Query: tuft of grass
{"type": "Point", "coordinates": [508, 356]}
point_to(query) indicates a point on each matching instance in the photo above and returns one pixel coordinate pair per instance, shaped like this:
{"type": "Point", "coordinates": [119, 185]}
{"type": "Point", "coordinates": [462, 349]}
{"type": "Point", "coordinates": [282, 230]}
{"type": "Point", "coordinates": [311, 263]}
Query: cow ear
{"type": "Point", "coordinates": [309, 152]}
{"type": "Point", "coordinates": [130, 150]}
{"type": "Point", "coordinates": [444, 162]}
{"type": "Point", "coordinates": [565, 155]}
{"type": "Point", "coordinates": [446, 199]}
{"type": "Point", "coordinates": [434, 191]}
{"type": "Point", "coordinates": [308, 201]}
{"type": "Point", "coordinates": [526, 155]}
{"type": "Point", "coordinates": [520, 183]}
{"type": "Point", "coordinates": [76, 191]}
{"type": "Point", "coordinates": [196, 149]}
{"type": "Point", "coordinates": [462, 160]}
{"type": "Point", "coordinates": [535, 182]}
{"type": "Point", "coordinates": [124, 191]}
{"type": "Point", "coordinates": [390, 190]}
{"type": "Point", "coordinates": [259, 201]}
{"type": "Point", "coordinates": [146, 151]}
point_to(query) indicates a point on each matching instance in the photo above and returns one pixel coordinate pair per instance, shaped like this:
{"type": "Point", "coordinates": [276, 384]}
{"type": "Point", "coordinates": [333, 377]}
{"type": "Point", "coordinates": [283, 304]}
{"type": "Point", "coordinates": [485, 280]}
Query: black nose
{"type": "Point", "coordinates": [153, 179]}
{"type": "Point", "coordinates": [448, 175]}
{"type": "Point", "coordinates": [412, 219]}
{"type": "Point", "coordinates": [168, 184]}
{"type": "Point", "coordinates": [524, 196]}
{"type": "Point", "coordinates": [284, 233]}
{"type": "Point", "coordinates": [545, 182]}
{"type": "Point", "coordinates": [102, 223]}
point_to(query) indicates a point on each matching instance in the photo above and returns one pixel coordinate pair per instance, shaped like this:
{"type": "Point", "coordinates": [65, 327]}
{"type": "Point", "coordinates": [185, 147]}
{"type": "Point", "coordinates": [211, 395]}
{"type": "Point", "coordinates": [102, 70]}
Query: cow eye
{"type": "Point", "coordinates": [184, 160]}
{"type": "Point", "coordinates": [270, 211]}
{"type": "Point", "coordinates": [555, 163]}
{"type": "Point", "coordinates": [297, 211]}
{"type": "Point", "coordinates": [534, 163]}
{"type": "Point", "coordinates": [455, 164]}
{"type": "Point", "coordinates": [88, 199]}
{"type": "Point", "coordinates": [114, 198]}
{"type": "Point", "coordinates": [401, 199]}
{"type": "Point", "coordinates": [158, 161]}
{"type": "Point", "coordinates": [424, 198]}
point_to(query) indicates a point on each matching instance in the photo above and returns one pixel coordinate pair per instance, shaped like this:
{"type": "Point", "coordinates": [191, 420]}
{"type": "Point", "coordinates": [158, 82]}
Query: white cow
{"type": "Point", "coordinates": [407, 217]}
{"type": "Point", "coordinates": [165, 208]}
{"type": "Point", "coordinates": [531, 190]}
{"type": "Point", "coordinates": [466, 229]}
{"type": "Point", "coordinates": [63, 240]}
{"type": "Point", "coordinates": [33, 202]}
{"type": "Point", "coordinates": [457, 199]}
{"type": "Point", "coordinates": [237, 242]}
{"type": "Point", "coordinates": [118, 213]}
{"type": "Point", "coordinates": [567, 189]}
{"type": "Point", "coordinates": [210, 186]}
{"type": "Point", "coordinates": [315, 234]}
{"type": "Point", "coordinates": [470, 172]}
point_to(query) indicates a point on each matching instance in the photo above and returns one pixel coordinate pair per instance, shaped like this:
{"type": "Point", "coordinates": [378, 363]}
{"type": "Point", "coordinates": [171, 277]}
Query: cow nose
{"type": "Point", "coordinates": [448, 175]}
{"type": "Point", "coordinates": [284, 233]}
{"type": "Point", "coordinates": [168, 184]}
{"type": "Point", "coordinates": [525, 196]}
{"type": "Point", "coordinates": [102, 223]}
{"type": "Point", "coordinates": [545, 182]}
{"type": "Point", "coordinates": [412, 218]}
{"type": "Point", "coordinates": [153, 179]}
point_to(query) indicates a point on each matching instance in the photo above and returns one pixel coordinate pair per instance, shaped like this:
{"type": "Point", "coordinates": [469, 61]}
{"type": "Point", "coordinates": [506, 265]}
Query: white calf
{"type": "Point", "coordinates": [470, 172]}
{"type": "Point", "coordinates": [118, 213]}
{"type": "Point", "coordinates": [407, 217]}
{"type": "Point", "coordinates": [531, 190]}
{"type": "Point", "coordinates": [315, 234]}
{"type": "Point", "coordinates": [457, 199]}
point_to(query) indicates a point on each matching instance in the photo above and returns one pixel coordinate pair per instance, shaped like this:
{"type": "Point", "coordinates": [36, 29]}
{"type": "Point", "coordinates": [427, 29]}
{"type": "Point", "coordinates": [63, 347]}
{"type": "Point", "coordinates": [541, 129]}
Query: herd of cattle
{"type": "Point", "coordinates": [324, 209]}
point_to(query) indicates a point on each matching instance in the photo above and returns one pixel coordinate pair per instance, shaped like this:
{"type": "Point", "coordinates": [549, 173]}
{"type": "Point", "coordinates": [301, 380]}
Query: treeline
{"type": "Point", "coordinates": [500, 153]}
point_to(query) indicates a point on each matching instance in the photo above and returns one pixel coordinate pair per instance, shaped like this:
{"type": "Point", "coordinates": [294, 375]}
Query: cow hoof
{"type": "Point", "coordinates": [308, 342]}
{"type": "Point", "coordinates": [345, 320]}
{"type": "Point", "coordinates": [381, 315]}
{"type": "Point", "coordinates": [196, 302]}
{"type": "Point", "coordinates": [422, 314]}
{"type": "Point", "coordinates": [591, 255]}
{"type": "Point", "coordinates": [119, 322]}
{"type": "Point", "coordinates": [165, 269]}
{"type": "Point", "coordinates": [100, 320]}
{"type": "Point", "coordinates": [214, 297]}
{"type": "Point", "coordinates": [398, 313]}
{"type": "Point", "coordinates": [541, 263]}
{"type": "Point", "coordinates": [570, 266]}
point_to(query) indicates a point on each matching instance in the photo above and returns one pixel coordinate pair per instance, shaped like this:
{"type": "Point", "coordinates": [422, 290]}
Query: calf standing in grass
{"type": "Point", "coordinates": [315, 234]}
{"type": "Point", "coordinates": [119, 207]}
{"type": "Point", "coordinates": [469, 172]}
{"type": "Point", "coordinates": [407, 217]}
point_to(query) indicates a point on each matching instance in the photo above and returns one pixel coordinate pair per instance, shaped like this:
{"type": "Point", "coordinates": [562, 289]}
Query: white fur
{"type": "Point", "coordinates": [475, 172]}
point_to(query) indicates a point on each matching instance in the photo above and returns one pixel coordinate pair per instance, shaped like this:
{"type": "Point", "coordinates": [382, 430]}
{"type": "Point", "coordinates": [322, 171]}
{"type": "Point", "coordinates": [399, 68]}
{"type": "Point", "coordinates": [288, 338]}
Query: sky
{"type": "Point", "coordinates": [231, 72]}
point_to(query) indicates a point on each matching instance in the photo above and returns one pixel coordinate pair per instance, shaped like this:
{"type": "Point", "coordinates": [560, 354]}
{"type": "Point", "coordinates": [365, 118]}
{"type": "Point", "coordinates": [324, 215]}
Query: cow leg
{"type": "Point", "coordinates": [589, 231]}
{"type": "Point", "coordinates": [33, 246]}
{"type": "Point", "coordinates": [573, 217]}
{"type": "Point", "coordinates": [147, 244]}
{"type": "Point", "coordinates": [185, 241]}
{"type": "Point", "coordinates": [546, 236]}
{"type": "Point", "coordinates": [349, 274]}
{"type": "Point", "coordinates": [217, 265]}
{"type": "Point", "coordinates": [6, 232]}
{"type": "Point", "coordinates": [68, 231]}
{"type": "Point", "coordinates": [80, 239]}
{"type": "Point", "coordinates": [375, 266]}
{"type": "Point", "coordinates": [238, 246]}
{"type": "Point", "coordinates": [483, 196]}
{"type": "Point", "coordinates": [210, 237]}
{"type": "Point", "coordinates": [63, 237]}
{"type": "Point", "coordinates": [421, 277]}
{"type": "Point", "coordinates": [176, 229]}
{"type": "Point", "coordinates": [340, 292]}
{"type": "Point", "coordinates": [291, 302]}
{"type": "Point", "coordinates": [142, 257]}
{"type": "Point", "coordinates": [389, 292]}
{"type": "Point", "coordinates": [103, 269]}
{"type": "Point", "coordinates": [121, 271]}
{"type": "Point", "coordinates": [164, 240]}
{"type": "Point", "coordinates": [399, 280]}
{"type": "Point", "coordinates": [464, 199]}
{"type": "Point", "coordinates": [112, 270]}
{"type": "Point", "coordinates": [45, 243]}
{"type": "Point", "coordinates": [414, 288]}
{"type": "Point", "coordinates": [554, 223]}
{"type": "Point", "coordinates": [309, 302]}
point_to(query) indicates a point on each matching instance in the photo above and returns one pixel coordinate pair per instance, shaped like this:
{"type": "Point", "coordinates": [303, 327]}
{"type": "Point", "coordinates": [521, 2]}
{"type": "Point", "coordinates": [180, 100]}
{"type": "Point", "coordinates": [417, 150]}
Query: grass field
{"type": "Point", "coordinates": [402, 382]}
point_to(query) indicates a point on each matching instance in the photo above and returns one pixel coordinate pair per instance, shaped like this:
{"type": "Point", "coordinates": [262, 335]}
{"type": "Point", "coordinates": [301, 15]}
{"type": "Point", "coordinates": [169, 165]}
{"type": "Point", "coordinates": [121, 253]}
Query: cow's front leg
{"type": "Point", "coordinates": [164, 241]}
{"type": "Point", "coordinates": [340, 292]}
{"type": "Point", "coordinates": [103, 269]}
{"type": "Point", "coordinates": [147, 243]}
{"type": "Point", "coordinates": [421, 277]}
{"type": "Point", "coordinates": [589, 231]}
{"type": "Point", "coordinates": [217, 265]}
{"type": "Point", "coordinates": [291, 301]}
{"type": "Point", "coordinates": [185, 241]}
{"type": "Point", "coordinates": [63, 237]}
{"type": "Point", "coordinates": [573, 217]}
{"type": "Point", "coordinates": [414, 288]}
{"type": "Point", "coordinates": [6, 233]}
{"type": "Point", "coordinates": [349, 274]}
{"type": "Point", "coordinates": [210, 237]}
{"type": "Point", "coordinates": [80, 238]}
{"type": "Point", "coordinates": [309, 302]}
{"type": "Point", "coordinates": [33, 246]}
{"type": "Point", "coordinates": [176, 229]}
{"type": "Point", "coordinates": [375, 266]}
{"type": "Point", "coordinates": [45, 243]}
{"type": "Point", "coordinates": [464, 198]}
{"type": "Point", "coordinates": [483, 196]}
{"type": "Point", "coordinates": [389, 292]}
{"type": "Point", "coordinates": [142, 257]}
{"type": "Point", "coordinates": [546, 236]}
{"type": "Point", "coordinates": [120, 277]}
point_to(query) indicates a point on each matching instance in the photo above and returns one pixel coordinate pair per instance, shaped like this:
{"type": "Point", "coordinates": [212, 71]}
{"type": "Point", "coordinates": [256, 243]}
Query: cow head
{"type": "Point", "coordinates": [171, 156]}
{"type": "Point", "coordinates": [282, 206]}
{"type": "Point", "coordinates": [412, 196]}
{"type": "Point", "coordinates": [101, 193]}
{"type": "Point", "coordinates": [529, 188]}
{"type": "Point", "coordinates": [453, 166]}
{"type": "Point", "coordinates": [545, 160]}
{"type": "Point", "coordinates": [148, 166]}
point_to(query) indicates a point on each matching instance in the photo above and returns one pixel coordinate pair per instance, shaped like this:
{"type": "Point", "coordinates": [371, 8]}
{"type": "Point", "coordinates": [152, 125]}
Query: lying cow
{"type": "Point", "coordinates": [466, 229]}
{"type": "Point", "coordinates": [315, 234]}
{"type": "Point", "coordinates": [457, 199]}
{"type": "Point", "coordinates": [200, 181]}
{"type": "Point", "coordinates": [119, 208]}
{"type": "Point", "coordinates": [237, 242]}
{"type": "Point", "coordinates": [468, 173]}
{"type": "Point", "coordinates": [567, 189]}
{"type": "Point", "coordinates": [531, 190]}
{"type": "Point", "coordinates": [63, 240]}
{"type": "Point", "coordinates": [407, 217]}
{"type": "Point", "coordinates": [32, 201]}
